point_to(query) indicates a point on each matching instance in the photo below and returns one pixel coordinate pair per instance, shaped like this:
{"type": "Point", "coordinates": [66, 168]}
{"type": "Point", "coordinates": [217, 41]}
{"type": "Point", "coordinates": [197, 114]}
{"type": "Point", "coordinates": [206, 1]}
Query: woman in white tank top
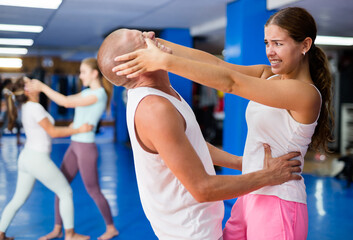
{"type": "Point", "coordinates": [290, 109]}
{"type": "Point", "coordinates": [34, 161]}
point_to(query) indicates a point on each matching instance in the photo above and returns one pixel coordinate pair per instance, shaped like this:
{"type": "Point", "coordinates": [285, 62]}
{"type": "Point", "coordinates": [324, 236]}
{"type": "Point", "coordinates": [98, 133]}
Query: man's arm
{"type": "Point", "coordinates": [161, 129]}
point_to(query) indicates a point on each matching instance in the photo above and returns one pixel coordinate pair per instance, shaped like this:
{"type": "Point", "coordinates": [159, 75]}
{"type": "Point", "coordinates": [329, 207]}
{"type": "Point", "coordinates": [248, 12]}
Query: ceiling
{"type": "Point", "coordinates": [76, 29]}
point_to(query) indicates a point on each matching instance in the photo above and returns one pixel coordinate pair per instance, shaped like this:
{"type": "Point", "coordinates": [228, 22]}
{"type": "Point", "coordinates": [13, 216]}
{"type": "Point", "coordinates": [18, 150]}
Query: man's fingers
{"type": "Point", "coordinates": [294, 163]}
{"type": "Point", "coordinates": [295, 177]}
{"type": "Point", "coordinates": [296, 169]}
{"type": "Point", "coordinates": [292, 155]}
{"type": "Point", "coordinates": [268, 153]}
{"type": "Point", "coordinates": [289, 156]}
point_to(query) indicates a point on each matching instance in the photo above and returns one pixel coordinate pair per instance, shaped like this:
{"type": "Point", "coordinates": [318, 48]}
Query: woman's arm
{"type": "Point", "coordinates": [56, 132]}
{"type": "Point", "coordinates": [287, 94]}
{"type": "Point", "coordinates": [201, 56]}
{"type": "Point", "coordinates": [71, 101]}
{"type": "Point", "coordinates": [224, 159]}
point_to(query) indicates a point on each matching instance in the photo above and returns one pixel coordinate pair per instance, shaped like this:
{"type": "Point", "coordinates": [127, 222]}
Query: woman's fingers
{"type": "Point", "coordinates": [136, 74]}
{"type": "Point", "coordinates": [129, 70]}
{"type": "Point", "coordinates": [139, 61]}
{"type": "Point", "coordinates": [126, 57]}
{"type": "Point", "coordinates": [124, 66]}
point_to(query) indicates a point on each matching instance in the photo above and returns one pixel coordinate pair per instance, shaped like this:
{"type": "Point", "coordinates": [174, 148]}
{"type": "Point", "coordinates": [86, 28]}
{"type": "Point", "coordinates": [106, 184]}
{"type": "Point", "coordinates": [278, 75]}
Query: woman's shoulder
{"type": "Point", "coordinates": [89, 90]}
{"type": "Point", "coordinates": [267, 72]}
{"type": "Point", "coordinates": [33, 106]}
{"type": "Point", "coordinates": [100, 92]}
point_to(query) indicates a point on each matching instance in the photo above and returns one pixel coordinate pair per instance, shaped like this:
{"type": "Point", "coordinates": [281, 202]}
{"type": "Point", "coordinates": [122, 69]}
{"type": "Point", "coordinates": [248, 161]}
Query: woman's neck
{"type": "Point", "coordinates": [95, 84]}
{"type": "Point", "coordinates": [33, 97]}
{"type": "Point", "coordinates": [302, 73]}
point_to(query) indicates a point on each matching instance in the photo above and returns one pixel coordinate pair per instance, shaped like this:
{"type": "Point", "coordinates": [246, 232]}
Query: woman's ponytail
{"type": "Point", "coordinates": [322, 78]}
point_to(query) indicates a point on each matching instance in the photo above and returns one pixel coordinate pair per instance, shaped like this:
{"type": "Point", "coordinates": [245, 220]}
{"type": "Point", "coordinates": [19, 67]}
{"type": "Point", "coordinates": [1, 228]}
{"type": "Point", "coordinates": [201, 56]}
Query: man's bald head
{"type": "Point", "coordinates": [115, 44]}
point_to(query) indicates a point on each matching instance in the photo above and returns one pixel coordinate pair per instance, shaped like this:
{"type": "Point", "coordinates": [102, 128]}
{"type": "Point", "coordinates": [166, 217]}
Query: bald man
{"type": "Point", "coordinates": [179, 189]}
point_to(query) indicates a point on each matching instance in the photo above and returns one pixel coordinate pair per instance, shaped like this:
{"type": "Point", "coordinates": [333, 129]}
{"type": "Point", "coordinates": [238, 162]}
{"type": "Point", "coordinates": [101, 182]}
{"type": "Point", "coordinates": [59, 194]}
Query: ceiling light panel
{"type": "Point", "coordinates": [334, 41]}
{"type": "Point", "coordinates": [21, 28]}
{"type": "Point", "coordinates": [48, 4]}
{"type": "Point", "coordinates": [16, 41]}
{"type": "Point", "coordinates": [16, 51]}
{"type": "Point", "coordinates": [10, 63]}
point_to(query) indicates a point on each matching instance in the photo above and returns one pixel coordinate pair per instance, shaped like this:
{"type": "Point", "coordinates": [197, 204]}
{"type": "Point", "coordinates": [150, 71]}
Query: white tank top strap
{"type": "Point", "coordinates": [309, 84]}
{"type": "Point", "coordinates": [320, 100]}
{"type": "Point", "coordinates": [272, 76]}
{"type": "Point", "coordinates": [316, 89]}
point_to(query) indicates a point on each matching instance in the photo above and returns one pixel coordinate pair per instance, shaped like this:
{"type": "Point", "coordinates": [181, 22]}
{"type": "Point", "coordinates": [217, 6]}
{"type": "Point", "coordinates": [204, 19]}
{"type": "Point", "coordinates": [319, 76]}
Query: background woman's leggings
{"type": "Point", "coordinates": [83, 157]}
{"type": "Point", "coordinates": [34, 165]}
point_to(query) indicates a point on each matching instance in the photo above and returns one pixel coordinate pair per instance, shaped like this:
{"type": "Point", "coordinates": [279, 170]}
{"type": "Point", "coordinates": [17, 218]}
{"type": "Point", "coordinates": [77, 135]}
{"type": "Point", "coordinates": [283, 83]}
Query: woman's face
{"type": "Point", "coordinates": [282, 51]}
{"type": "Point", "coordinates": [87, 74]}
{"type": "Point", "coordinates": [31, 94]}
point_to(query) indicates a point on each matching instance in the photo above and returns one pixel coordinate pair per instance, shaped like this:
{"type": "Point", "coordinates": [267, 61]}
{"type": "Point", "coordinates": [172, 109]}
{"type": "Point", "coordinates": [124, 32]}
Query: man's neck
{"type": "Point", "coordinates": [158, 80]}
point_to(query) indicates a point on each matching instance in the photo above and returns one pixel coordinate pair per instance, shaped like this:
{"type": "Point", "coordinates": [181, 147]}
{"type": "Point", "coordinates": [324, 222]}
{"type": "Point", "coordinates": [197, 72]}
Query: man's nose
{"type": "Point", "coordinates": [150, 35]}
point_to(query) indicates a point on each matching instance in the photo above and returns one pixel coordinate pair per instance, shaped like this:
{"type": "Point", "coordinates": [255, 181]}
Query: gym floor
{"type": "Point", "coordinates": [329, 199]}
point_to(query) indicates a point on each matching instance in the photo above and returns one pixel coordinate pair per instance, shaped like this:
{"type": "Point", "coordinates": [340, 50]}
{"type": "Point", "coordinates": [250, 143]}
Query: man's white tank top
{"type": "Point", "coordinates": [170, 208]}
{"type": "Point", "coordinates": [276, 127]}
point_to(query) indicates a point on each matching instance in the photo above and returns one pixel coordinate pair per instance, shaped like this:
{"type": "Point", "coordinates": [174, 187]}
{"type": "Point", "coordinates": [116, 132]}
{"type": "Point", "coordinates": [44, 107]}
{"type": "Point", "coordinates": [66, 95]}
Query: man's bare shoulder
{"type": "Point", "coordinates": [155, 109]}
{"type": "Point", "coordinates": [154, 104]}
{"type": "Point", "coordinates": [156, 116]}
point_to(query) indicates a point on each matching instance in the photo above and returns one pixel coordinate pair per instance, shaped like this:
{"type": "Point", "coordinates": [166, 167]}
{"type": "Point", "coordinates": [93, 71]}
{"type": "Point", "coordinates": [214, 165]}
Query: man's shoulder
{"type": "Point", "coordinates": [157, 116]}
{"type": "Point", "coordinates": [155, 104]}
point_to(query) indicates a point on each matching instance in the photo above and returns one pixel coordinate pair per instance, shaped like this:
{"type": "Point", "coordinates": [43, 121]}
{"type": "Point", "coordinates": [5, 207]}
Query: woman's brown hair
{"type": "Point", "coordinates": [14, 94]}
{"type": "Point", "coordinates": [108, 87]}
{"type": "Point", "coordinates": [300, 24]}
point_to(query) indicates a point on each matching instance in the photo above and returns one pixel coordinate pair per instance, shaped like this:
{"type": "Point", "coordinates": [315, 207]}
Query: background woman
{"type": "Point", "coordinates": [34, 161]}
{"type": "Point", "coordinates": [82, 153]}
{"type": "Point", "coordinates": [290, 109]}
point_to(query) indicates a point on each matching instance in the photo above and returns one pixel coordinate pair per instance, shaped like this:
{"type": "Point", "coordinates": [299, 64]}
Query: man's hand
{"type": "Point", "coordinates": [281, 169]}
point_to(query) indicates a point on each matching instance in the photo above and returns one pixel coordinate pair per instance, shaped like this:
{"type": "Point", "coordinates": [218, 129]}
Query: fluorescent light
{"type": "Point", "coordinates": [21, 51]}
{"type": "Point", "coordinates": [219, 23]}
{"type": "Point", "coordinates": [10, 63]}
{"type": "Point", "coordinates": [16, 41]}
{"type": "Point", "coordinates": [276, 4]}
{"type": "Point", "coordinates": [20, 28]}
{"type": "Point", "coordinates": [336, 41]}
{"type": "Point", "coordinates": [49, 4]}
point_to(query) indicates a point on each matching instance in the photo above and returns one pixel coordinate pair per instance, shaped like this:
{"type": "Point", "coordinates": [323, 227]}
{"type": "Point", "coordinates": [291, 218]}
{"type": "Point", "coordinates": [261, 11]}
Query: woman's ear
{"type": "Point", "coordinates": [307, 44]}
{"type": "Point", "coordinates": [96, 73]}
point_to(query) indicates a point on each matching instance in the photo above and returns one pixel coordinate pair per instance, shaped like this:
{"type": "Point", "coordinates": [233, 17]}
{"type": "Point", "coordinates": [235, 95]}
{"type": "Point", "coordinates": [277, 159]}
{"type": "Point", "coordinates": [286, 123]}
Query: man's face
{"type": "Point", "coordinates": [150, 35]}
{"type": "Point", "coordinates": [124, 41]}
{"type": "Point", "coordinates": [138, 38]}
